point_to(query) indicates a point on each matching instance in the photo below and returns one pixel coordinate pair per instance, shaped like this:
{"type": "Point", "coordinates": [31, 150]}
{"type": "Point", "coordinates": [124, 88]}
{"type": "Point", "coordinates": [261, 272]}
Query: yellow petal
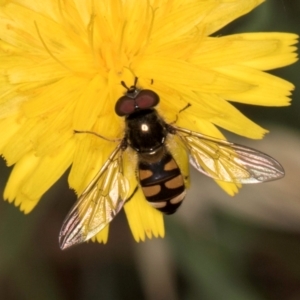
{"type": "Point", "coordinates": [143, 219]}
{"type": "Point", "coordinates": [91, 104]}
{"type": "Point", "coordinates": [25, 203]}
{"type": "Point", "coordinates": [183, 76]}
{"type": "Point", "coordinates": [20, 173]}
{"type": "Point", "coordinates": [284, 53]}
{"type": "Point", "coordinates": [180, 155]}
{"type": "Point", "coordinates": [180, 20]}
{"type": "Point", "coordinates": [267, 89]}
{"type": "Point", "coordinates": [21, 142]}
{"type": "Point", "coordinates": [230, 188]}
{"type": "Point", "coordinates": [102, 236]}
{"type": "Point", "coordinates": [90, 154]}
{"type": "Point", "coordinates": [8, 127]}
{"type": "Point", "coordinates": [17, 23]}
{"type": "Point", "coordinates": [48, 171]}
{"type": "Point", "coordinates": [241, 49]}
{"type": "Point", "coordinates": [54, 97]}
{"type": "Point", "coordinates": [220, 16]}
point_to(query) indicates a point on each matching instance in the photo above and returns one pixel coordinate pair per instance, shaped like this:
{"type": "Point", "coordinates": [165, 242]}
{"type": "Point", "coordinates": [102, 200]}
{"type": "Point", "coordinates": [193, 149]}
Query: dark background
{"type": "Point", "coordinates": [216, 247]}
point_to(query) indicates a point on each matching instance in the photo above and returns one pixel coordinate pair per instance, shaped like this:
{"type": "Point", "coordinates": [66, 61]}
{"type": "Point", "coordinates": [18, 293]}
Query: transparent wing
{"type": "Point", "coordinates": [98, 204]}
{"type": "Point", "coordinates": [227, 161]}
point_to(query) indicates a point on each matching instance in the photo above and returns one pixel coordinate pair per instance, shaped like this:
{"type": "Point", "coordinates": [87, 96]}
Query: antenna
{"type": "Point", "coordinates": [132, 87]}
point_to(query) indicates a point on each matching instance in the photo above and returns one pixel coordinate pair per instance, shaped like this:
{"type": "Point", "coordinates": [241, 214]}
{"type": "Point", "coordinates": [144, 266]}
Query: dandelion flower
{"type": "Point", "coordinates": [61, 67]}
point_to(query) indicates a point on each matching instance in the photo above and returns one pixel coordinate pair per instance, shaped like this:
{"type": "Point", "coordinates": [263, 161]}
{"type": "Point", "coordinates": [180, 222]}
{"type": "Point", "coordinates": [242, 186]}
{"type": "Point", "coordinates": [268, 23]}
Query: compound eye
{"type": "Point", "coordinates": [146, 99]}
{"type": "Point", "coordinates": [124, 106]}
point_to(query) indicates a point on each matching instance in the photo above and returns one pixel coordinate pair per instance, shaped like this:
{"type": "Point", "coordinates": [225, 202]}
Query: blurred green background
{"type": "Point", "coordinates": [216, 247]}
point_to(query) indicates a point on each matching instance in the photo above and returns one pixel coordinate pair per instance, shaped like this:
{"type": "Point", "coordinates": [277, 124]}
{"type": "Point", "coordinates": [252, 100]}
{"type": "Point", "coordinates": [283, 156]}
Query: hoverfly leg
{"type": "Point", "coordinates": [133, 193]}
{"type": "Point", "coordinates": [183, 109]}
{"type": "Point", "coordinates": [98, 135]}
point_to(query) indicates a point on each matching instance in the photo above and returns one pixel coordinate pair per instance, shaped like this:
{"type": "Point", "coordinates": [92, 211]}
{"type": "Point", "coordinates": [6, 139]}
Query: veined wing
{"type": "Point", "coordinates": [98, 204]}
{"type": "Point", "coordinates": [227, 161]}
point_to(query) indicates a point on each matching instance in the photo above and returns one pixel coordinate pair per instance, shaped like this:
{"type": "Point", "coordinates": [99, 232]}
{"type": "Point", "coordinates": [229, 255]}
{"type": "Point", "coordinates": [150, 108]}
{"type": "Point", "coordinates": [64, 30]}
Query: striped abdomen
{"type": "Point", "coordinates": [162, 183]}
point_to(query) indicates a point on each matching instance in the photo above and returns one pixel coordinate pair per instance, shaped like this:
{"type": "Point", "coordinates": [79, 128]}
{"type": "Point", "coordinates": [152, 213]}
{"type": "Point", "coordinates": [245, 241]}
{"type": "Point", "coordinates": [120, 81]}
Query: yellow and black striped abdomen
{"type": "Point", "coordinates": [162, 183]}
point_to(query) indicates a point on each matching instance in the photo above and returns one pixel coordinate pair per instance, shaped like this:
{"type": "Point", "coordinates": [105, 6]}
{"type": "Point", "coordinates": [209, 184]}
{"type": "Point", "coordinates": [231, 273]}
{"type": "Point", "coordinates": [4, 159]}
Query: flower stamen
{"type": "Point", "coordinates": [90, 30]}
{"type": "Point", "coordinates": [48, 50]}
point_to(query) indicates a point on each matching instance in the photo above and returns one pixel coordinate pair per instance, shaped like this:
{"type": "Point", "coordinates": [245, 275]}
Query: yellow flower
{"type": "Point", "coordinates": [61, 67]}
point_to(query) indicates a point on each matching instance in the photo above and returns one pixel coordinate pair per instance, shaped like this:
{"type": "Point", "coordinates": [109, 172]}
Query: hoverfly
{"type": "Point", "coordinates": [157, 172]}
